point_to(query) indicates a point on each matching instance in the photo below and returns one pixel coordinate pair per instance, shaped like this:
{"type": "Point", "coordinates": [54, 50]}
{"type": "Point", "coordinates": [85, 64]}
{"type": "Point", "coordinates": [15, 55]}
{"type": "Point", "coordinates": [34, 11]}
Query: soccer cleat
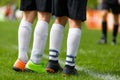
{"type": "Point", "coordinates": [31, 67]}
{"type": "Point", "coordinates": [69, 70]}
{"type": "Point", "coordinates": [113, 42]}
{"type": "Point", "coordinates": [53, 67]}
{"type": "Point", "coordinates": [19, 65]}
{"type": "Point", "coordinates": [102, 41]}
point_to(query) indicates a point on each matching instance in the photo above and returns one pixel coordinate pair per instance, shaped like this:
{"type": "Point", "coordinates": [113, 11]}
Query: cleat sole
{"type": "Point", "coordinates": [50, 70]}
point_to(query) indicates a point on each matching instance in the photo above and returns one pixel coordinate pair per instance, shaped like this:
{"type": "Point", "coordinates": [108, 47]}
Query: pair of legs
{"type": "Point", "coordinates": [40, 37]}
{"type": "Point", "coordinates": [104, 28]}
{"type": "Point", "coordinates": [73, 40]}
{"type": "Point", "coordinates": [75, 10]}
{"type": "Point", "coordinates": [114, 6]}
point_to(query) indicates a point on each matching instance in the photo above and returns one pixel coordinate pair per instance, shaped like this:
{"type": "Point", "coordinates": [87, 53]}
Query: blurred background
{"type": "Point", "coordinates": [9, 10]}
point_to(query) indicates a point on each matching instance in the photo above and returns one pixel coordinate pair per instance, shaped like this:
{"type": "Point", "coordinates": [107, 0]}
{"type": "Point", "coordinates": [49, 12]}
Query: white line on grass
{"type": "Point", "coordinates": [90, 72]}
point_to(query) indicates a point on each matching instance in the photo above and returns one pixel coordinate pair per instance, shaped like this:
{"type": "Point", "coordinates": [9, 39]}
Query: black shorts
{"type": "Point", "coordinates": [75, 9]}
{"type": "Point", "coordinates": [113, 6]}
{"type": "Point", "coordinates": [39, 5]}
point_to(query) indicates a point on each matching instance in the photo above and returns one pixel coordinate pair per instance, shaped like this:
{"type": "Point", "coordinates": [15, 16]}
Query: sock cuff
{"type": "Point", "coordinates": [42, 23]}
{"type": "Point", "coordinates": [75, 31]}
{"type": "Point", "coordinates": [41, 27]}
{"type": "Point", "coordinates": [58, 27]}
{"type": "Point", "coordinates": [26, 24]}
{"type": "Point", "coordinates": [70, 59]}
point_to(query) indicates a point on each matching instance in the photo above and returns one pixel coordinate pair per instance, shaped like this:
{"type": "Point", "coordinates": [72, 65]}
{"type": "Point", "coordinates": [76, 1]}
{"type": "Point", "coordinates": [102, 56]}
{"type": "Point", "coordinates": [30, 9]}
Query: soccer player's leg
{"type": "Point", "coordinates": [115, 29]}
{"type": "Point", "coordinates": [73, 42]}
{"type": "Point", "coordinates": [77, 14]}
{"type": "Point", "coordinates": [56, 36]}
{"type": "Point", "coordinates": [103, 39]}
{"type": "Point", "coordinates": [24, 34]}
{"type": "Point", "coordinates": [105, 7]}
{"type": "Point", "coordinates": [40, 36]}
{"type": "Point", "coordinates": [116, 11]}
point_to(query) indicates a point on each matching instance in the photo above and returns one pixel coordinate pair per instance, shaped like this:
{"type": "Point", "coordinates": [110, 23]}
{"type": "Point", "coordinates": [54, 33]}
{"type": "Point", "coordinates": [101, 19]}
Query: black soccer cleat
{"type": "Point", "coordinates": [113, 42]}
{"type": "Point", "coordinates": [53, 67]}
{"type": "Point", "coordinates": [69, 70]}
{"type": "Point", "coordinates": [102, 41]}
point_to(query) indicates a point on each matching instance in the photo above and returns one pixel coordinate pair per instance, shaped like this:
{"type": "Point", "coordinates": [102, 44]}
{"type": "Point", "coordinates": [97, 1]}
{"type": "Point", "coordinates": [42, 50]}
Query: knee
{"type": "Point", "coordinates": [29, 16]}
{"type": "Point", "coordinates": [61, 20]}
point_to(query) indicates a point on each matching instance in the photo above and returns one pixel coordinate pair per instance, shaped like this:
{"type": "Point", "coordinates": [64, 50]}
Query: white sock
{"type": "Point", "coordinates": [40, 37]}
{"type": "Point", "coordinates": [24, 34]}
{"type": "Point", "coordinates": [73, 41]}
{"type": "Point", "coordinates": [56, 36]}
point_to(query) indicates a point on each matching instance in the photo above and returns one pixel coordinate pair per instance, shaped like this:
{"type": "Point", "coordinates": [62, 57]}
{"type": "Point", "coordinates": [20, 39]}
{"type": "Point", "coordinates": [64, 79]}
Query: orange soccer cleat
{"type": "Point", "coordinates": [19, 65]}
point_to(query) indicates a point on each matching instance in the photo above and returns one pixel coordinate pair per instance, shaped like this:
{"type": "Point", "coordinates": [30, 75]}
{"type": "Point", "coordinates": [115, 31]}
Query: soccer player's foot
{"type": "Point", "coordinates": [31, 67]}
{"type": "Point", "coordinates": [69, 70]}
{"type": "Point", "coordinates": [102, 41]}
{"type": "Point", "coordinates": [53, 67]}
{"type": "Point", "coordinates": [113, 42]}
{"type": "Point", "coordinates": [19, 65]}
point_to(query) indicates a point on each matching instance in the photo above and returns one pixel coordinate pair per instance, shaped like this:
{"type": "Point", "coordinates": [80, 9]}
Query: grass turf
{"type": "Point", "coordinates": [102, 59]}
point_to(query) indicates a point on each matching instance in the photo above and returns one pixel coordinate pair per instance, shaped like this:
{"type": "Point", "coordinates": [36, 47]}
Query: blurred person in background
{"type": "Point", "coordinates": [7, 11]}
{"type": "Point", "coordinates": [107, 6]}
{"type": "Point", "coordinates": [30, 8]}
{"type": "Point", "coordinates": [10, 12]}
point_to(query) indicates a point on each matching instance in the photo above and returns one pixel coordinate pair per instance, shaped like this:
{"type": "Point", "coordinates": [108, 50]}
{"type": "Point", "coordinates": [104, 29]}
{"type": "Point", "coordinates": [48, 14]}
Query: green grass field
{"type": "Point", "coordinates": [94, 61]}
